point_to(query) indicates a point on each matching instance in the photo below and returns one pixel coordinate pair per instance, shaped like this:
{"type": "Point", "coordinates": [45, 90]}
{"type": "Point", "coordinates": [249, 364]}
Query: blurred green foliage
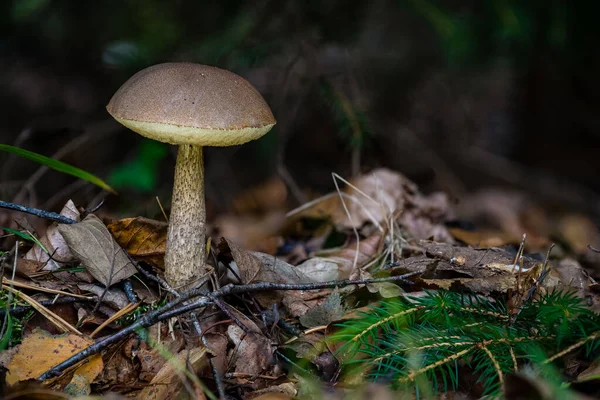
{"type": "Point", "coordinates": [141, 173]}
{"type": "Point", "coordinates": [111, 40]}
{"type": "Point", "coordinates": [497, 28]}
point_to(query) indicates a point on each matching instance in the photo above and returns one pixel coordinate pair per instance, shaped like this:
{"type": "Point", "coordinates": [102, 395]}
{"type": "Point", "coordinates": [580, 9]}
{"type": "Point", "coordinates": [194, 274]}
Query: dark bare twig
{"type": "Point", "coordinates": [193, 316]}
{"type": "Point", "coordinates": [37, 212]}
{"type": "Point", "coordinates": [169, 310]}
{"type": "Point", "coordinates": [144, 322]}
{"type": "Point", "coordinates": [223, 307]}
{"type": "Point", "coordinates": [128, 289]}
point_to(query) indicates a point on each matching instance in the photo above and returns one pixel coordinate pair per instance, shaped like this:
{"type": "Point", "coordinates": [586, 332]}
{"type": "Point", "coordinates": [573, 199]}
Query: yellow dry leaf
{"type": "Point", "coordinates": [145, 239]}
{"type": "Point", "coordinates": [40, 351]}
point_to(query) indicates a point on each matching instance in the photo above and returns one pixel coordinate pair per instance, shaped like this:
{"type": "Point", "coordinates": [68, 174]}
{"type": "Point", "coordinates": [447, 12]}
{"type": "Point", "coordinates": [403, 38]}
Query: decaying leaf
{"type": "Point", "coordinates": [168, 382]}
{"type": "Point", "coordinates": [346, 257]}
{"type": "Point", "coordinates": [260, 267]}
{"type": "Point", "coordinates": [480, 270]}
{"type": "Point", "coordinates": [54, 243]}
{"type": "Point", "coordinates": [253, 353]}
{"type": "Point", "coordinates": [329, 310]}
{"type": "Point", "coordinates": [97, 250]}
{"type": "Point", "coordinates": [152, 359]}
{"type": "Point", "coordinates": [79, 386]}
{"type": "Point", "coordinates": [41, 351]}
{"type": "Point", "coordinates": [116, 298]}
{"type": "Point", "coordinates": [145, 239]}
{"type": "Point", "coordinates": [321, 269]}
{"type": "Point", "coordinates": [376, 197]}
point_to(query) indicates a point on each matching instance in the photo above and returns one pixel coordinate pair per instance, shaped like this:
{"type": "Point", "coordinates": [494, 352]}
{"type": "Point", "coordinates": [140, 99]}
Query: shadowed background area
{"type": "Point", "coordinates": [457, 95]}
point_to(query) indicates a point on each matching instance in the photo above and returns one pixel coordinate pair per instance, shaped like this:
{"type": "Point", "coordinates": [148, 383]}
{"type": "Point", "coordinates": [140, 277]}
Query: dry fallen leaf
{"type": "Point", "coordinates": [145, 239]}
{"type": "Point", "coordinates": [382, 194]}
{"type": "Point", "coordinates": [253, 353]}
{"type": "Point", "coordinates": [54, 243]}
{"type": "Point", "coordinates": [151, 359]}
{"type": "Point", "coordinates": [321, 269]}
{"type": "Point", "coordinates": [345, 257]}
{"type": "Point", "coordinates": [97, 250]}
{"type": "Point", "coordinates": [323, 314]}
{"type": "Point", "coordinates": [480, 270]}
{"type": "Point", "coordinates": [168, 382]}
{"type": "Point", "coordinates": [260, 267]}
{"type": "Point", "coordinates": [115, 298]}
{"type": "Point", "coordinates": [41, 351]}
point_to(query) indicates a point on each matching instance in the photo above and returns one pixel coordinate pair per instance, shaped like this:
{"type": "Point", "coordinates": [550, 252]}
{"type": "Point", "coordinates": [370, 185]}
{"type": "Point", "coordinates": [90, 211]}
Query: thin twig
{"type": "Point", "coordinates": [37, 212]}
{"type": "Point", "coordinates": [171, 310]}
{"type": "Point", "coordinates": [193, 316]}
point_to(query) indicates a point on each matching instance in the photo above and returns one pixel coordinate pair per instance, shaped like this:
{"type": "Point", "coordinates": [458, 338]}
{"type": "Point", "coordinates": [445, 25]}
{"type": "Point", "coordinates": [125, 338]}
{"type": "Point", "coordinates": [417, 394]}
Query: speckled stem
{"type": "Point", "coordinates": [184, 257]}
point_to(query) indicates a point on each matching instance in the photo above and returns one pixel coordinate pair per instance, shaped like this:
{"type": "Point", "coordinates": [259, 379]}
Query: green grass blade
{"type": "Point", "coordinates": [25, 236]}
{"type": "Point", "coordinates": [58, 166]}
{"type": "Point", "coordinates": [5, 340]}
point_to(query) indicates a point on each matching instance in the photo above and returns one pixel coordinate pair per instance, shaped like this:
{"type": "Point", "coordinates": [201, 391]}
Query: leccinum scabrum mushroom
{"type": "Point", "coordinates": [192, 106]}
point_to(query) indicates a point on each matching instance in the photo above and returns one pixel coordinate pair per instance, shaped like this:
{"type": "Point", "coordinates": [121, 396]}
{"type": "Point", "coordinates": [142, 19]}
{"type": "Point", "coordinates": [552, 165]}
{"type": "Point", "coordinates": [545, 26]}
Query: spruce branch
{"type": "Point", "coordinates": [443, 328]}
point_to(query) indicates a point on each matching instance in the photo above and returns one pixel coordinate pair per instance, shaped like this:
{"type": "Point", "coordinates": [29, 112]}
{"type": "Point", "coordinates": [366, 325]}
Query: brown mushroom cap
{"type": "Point", "coordinates": [185, 103]}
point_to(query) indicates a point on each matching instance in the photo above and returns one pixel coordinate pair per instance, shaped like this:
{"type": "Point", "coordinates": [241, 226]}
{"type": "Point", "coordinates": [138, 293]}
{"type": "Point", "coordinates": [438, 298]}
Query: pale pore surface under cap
{"type": "Point", "coordinates": [174, 134]}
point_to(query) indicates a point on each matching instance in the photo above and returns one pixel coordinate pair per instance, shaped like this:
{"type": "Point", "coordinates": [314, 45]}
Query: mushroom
{"type": "Point", "coordinates": [192, 106]}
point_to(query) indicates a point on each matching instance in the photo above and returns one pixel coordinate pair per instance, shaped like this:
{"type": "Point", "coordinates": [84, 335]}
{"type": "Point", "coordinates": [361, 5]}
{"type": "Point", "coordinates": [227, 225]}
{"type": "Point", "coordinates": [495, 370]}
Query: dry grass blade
{"type": "Point", "coordinates": [28, 286]}
{"type": "Point", "coordinates": [52, 317]}
{"type": "Point", "coordinates": [124, 311]}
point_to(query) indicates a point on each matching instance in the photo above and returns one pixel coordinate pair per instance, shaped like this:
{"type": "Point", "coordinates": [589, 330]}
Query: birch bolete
{"type": "Point", "coordinates": [192, 106]}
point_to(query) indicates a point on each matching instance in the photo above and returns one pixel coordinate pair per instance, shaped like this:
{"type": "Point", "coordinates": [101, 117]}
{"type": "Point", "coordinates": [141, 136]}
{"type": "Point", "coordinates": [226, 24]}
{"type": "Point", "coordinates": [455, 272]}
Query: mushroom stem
{"type": "Point", "coordinates": [184, 256]}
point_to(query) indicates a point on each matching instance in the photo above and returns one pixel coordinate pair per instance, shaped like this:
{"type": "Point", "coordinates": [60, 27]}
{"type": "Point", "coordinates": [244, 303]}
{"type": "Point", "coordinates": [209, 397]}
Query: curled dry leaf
{"type": "Point", "coordinates": [321, 269]}
{"type": "Point", "coordinates": [145, 239]}
{"type": "Point", "coordinates": [91, 242]}
{"type": "Point", "coordinates": [260, 267]}
{"type": "Point", "coordinates": [252, 354]}
{"type": "Point", "coordinates": [169, 381]}
{"type": "Point", "coordinates": [339, 263]}
{"type": "Point", "coordinates": [41, 351]}
{"type": "Point", "coordinates": [323, 314]}
{"type": "Point", "coordinates": [54, 243]}
{"type": "Point", "coordinates": [115, 298]}
{"type": "Point", "coordinates": [387, 193]}
{"type": "Point", "coordinates": [568, 274]}
{"type": "Point", "coordinates": [383, 194]}
{"type": "Point", "coordinates": [480, 270]}
{"type": "Point", "coordinates": [512, 212]}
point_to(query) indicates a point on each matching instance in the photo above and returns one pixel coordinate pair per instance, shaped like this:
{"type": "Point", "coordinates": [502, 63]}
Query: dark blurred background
{"type": "Point", "coordinates": [458, 95]}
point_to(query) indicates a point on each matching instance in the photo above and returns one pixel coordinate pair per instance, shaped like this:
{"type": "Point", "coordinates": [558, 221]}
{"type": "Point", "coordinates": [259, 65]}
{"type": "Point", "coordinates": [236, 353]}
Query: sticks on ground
{"type": "Point", "coordinates": [171, 310]}
{"type": "Point", "coordinates": [37, 212]}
